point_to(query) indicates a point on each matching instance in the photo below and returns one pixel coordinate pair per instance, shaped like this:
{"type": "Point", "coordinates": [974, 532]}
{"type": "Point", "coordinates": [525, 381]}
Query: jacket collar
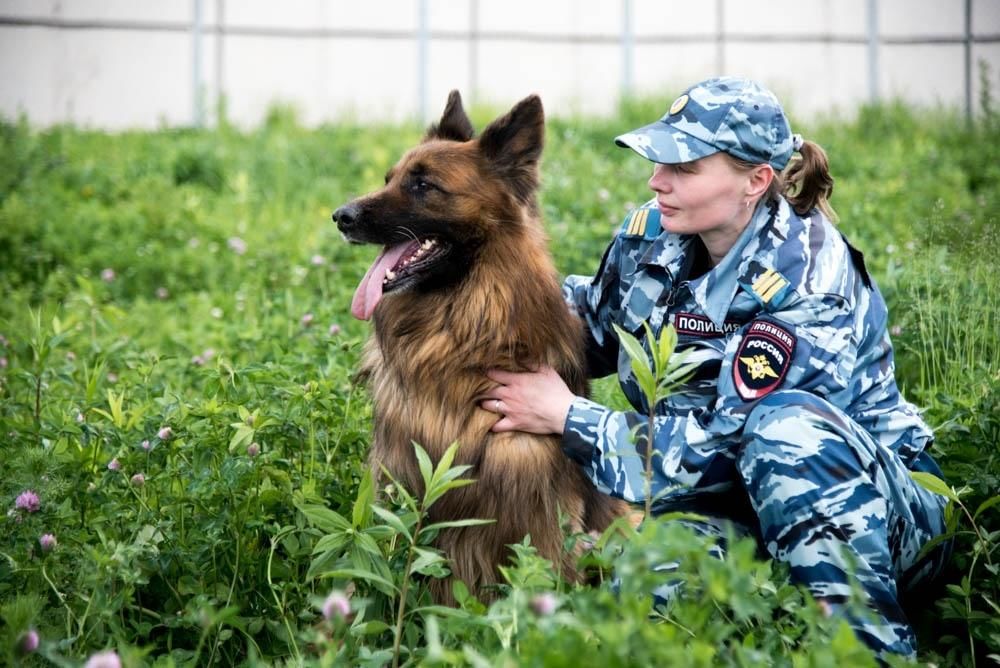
{"type": "Point", "coordinates": [715, 290]}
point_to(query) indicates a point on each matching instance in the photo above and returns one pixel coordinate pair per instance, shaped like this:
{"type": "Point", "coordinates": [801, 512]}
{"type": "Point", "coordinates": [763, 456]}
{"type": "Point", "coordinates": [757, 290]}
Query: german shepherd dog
{"type": "Point", "coordinates": [464, 284]}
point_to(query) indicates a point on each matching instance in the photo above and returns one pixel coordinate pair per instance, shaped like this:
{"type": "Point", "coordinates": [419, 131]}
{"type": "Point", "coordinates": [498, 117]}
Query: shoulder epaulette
{"type": "Point", "coordinates": [766, 285]}
{"type": "Point", "coordinates": [643, 223]}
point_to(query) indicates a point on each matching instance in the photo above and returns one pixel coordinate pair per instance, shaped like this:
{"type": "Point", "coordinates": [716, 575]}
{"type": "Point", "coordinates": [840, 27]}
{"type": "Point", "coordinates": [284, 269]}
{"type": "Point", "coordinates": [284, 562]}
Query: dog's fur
{"type": "Point", "coordinates": [485, 296]}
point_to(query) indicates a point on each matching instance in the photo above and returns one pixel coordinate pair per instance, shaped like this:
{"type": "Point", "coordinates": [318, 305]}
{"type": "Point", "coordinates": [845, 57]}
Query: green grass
{"type": "Point", "coordinates": [225, 316]}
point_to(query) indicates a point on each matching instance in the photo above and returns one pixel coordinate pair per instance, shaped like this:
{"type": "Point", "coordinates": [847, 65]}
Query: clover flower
{"type": "Point", "coordinates": [237, 245]}
{"type": "Point", "coordinates": [48, 542]}
{"type": "Point", "coordinates": [307, 319]}
{"type": "Point", "coordinates": [114, 464]}
{"type": "Point", "coordinates": [29, 642]}
{"type": "Point", "coordinates": [165, 434]}
{"type": "Point", "coordinates": [543, 604]}
{"type": "Point", "coordinates": [336, 606]}
{"type": "Point", "coordinates": [107, 275]}
{"type": "Point", "coordinates": [253, 449]}
{"type": "Point", "coordinates": [106, 659]}
{"type": "Point", "coordinates": [138, 480]}
{"type": "Point", "coordinates": [27, 501]}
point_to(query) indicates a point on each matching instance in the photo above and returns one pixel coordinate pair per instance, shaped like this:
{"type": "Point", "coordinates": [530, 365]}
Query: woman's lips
{"type": "Point", "coordinates": [666, 210]}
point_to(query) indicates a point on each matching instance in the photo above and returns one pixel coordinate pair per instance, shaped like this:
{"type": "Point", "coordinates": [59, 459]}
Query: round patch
{"type": "Point", "coordinates": [763, 359]}
{"type": "Point", "coordinates": [678, 104]}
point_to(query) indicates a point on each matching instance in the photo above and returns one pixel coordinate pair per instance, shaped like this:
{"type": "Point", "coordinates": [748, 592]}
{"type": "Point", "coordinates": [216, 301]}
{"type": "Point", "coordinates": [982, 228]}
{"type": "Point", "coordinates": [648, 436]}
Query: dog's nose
{"type": "Point", "coordinates": [346, 216]}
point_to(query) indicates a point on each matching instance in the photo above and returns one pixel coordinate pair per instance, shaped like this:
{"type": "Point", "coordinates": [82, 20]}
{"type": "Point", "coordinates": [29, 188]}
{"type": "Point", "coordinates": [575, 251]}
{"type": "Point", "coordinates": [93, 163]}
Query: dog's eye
{"type": "Point", "coordinates": [422, 185]}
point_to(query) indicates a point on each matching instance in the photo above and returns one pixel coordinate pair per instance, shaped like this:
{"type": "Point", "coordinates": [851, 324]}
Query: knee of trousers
{"type": "Point", "coordinates": [795, 435]}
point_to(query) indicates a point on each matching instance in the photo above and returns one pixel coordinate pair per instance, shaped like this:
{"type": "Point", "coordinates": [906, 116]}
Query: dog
{"type": "Point", "coordinates": [464, 284]}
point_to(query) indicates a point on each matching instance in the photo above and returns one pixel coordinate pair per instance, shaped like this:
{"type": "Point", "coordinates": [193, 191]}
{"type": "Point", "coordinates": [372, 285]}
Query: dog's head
{"type": "Point", "coordinates": [445, 199]}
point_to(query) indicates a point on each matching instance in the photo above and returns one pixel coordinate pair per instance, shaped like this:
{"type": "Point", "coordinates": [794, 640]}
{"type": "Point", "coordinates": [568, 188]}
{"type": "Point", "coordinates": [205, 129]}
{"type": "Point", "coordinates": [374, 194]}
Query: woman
{"type": "Point", "coordinates": [793, 410]}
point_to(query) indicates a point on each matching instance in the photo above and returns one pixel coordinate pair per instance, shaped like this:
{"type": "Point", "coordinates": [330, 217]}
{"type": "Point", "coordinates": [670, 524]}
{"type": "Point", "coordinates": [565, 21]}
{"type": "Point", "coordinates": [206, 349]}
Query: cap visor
{"type": "Point", "coordinates": [665, 144]}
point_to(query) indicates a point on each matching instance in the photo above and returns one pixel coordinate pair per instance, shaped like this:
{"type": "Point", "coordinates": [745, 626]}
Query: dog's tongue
{"type": "Point", "coordinates": [369, 291]}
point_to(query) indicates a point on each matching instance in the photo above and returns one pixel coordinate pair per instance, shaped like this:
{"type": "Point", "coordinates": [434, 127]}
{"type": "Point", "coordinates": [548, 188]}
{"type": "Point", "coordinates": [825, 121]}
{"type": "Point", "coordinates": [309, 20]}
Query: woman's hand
{"type": "Point", "coordinates": [536, 402]}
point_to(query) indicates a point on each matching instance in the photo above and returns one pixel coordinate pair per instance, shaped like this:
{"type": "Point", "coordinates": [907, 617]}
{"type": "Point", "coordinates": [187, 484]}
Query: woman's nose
{"type": "Point", "coordinates": [659, 182]}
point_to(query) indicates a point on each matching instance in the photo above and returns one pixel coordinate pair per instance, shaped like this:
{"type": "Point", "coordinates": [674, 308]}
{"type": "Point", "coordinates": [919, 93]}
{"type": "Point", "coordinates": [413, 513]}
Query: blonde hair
{"type": "Point", "coordinates": [805, 182]}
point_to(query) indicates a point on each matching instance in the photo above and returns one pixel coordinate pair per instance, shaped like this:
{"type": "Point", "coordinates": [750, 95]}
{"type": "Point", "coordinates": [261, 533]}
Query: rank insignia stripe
{"type": "Point", "coordinates": [763, 359]}
{"type": "Point", "coordinates": [766, 285]}
{"type": "Point", "coordinates": [642, 223]}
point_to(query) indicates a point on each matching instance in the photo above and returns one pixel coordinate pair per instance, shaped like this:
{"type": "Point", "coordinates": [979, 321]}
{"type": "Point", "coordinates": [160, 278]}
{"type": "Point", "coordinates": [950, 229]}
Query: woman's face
{"type": "Point", "coordinates": [703, 196]}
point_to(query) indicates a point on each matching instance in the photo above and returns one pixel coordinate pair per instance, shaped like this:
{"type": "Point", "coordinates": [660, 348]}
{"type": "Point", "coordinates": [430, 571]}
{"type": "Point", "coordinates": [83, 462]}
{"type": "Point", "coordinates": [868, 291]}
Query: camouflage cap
{"type": "Point", "coordinates": [730, 114]}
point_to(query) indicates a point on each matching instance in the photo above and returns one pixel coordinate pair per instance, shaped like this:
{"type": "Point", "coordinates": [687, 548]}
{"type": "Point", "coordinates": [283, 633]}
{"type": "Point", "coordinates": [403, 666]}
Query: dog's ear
{"type": "Point", "coordinates": [454, 124]}
{"type": "Point", "coordinates": [513, 144]}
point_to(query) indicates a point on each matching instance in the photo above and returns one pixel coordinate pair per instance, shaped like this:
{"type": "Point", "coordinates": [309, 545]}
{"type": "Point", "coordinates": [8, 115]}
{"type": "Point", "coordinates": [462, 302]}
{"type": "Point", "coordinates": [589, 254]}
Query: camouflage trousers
{"type": "Point", "coordinates": [835, 505]}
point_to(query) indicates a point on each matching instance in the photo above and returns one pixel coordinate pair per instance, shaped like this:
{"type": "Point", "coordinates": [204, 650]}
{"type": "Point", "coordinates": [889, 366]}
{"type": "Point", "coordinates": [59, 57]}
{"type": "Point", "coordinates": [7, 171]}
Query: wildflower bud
{"type": "Point", "coordinates": [108, 275]}
{"type": "Point", "coordinates": [80, 418]}
{"type": "Point", "coordinates": [216, 312]}
{"type": "Point", "coordinates": [896, 330]}
{"type": "Point", "coordinates": [334, 329]}
{"type": "Point", "coordinates": [250, 420]}
{"type": "Point", "coordinates": [198, 360]}
{"type": "Point", "coordinates": [165, 434]}
{"type": "Point", "coordinates": [543, 604]}
{"type": "Point", "coordinates": [237, 245]}
{"type": "Point", "coordinates": [138, 480]}
{"type": "Point", "coordinates": [253, 449]}
{"type": "Point", "coordinates": [114, 464]}
{"type": "Point", "coordinates": [106, 659]}
{"type": "Point", "coordinates": [317, 260]}
{"type": "Point", "coordinates": [146, 446]}
{"type": "Point", "coordinates": [27, 501]}
{"type": "Point", "coordinates": [162, 293]}
{"type": "Point", "coordinates": [71, 356]}
{"type": "Point", "coordinates": [29, 642]}
{"type": "Point", "coordinates": [48, 542]}
{"type": "Point", "coordinates": [112, 377]}
{"type": "Point", "coordinates": [336, 606]}
{"type": "Point", "coordinates": [307, 319]}
{"type": "Point", "coordinates": [3, 362]}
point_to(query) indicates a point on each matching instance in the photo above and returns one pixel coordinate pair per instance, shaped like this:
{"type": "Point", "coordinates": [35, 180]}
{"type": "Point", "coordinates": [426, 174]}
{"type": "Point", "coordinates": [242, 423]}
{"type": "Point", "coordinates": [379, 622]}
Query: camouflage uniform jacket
{"type": "Point", "coordinates": [791, 306]}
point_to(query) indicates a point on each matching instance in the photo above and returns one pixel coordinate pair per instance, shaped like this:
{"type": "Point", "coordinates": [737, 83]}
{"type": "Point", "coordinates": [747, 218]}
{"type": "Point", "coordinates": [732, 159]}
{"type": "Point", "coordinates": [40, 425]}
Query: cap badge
{"type": "Point", "coordinates": [678, 104]}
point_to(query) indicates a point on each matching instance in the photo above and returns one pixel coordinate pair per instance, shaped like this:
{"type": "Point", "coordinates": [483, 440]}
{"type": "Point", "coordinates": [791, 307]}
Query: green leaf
{"type": "Point", "coordinates": [437, 526]}
{"type": "Point", "coordinates": [424, 460]}
{"type": "Point", "coordinates": [241, 437]}
{"type": "Point", "coordinates": [644, 377]}
{"type": "Point", "coordinates": [446, 459]}
{"type": "Point", "coordinates": [441, 488]}
{"type": "Point", "coordinates": [393, 520]}
{"type": "Point", "coordinates": [323, 518]}
{"type": "Point", "coordinates": [932, 483]}
{"type": "Point", "coordinates": [374, 579]}
{"type": "Point", "coordinates": [986, 505]}
{"type": "Point", "coordinates": [332, 542]}
{"type": "Point", "coordinates": [362, 511]}
{"type": "Point", "coordinates": [632, 346]}
{"type": "Point", "coordinates": [667, 344]}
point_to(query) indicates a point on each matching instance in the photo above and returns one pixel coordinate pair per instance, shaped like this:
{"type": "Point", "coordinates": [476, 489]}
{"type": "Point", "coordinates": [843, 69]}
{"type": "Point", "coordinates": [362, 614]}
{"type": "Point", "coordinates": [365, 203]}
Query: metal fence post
{"type": "Point", "coordinates": [423, 38]}
{"type": "Point", "coordinates": [220, 58]}
{"type": "Point", "coordinates": [473, 50]}
{"type": "Point", "coordinates": [720, 37]}
{"type": "Point", "coordinates": [628, 48]}
{"type": "Point", "coordinates": [197, 117]}
{"type": "Point", "coordinates": [873, 51]}
{"type": "Point", "coordinates": [968, 61]}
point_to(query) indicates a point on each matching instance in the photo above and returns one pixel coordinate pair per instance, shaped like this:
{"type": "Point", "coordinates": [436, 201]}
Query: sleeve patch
{"type": "Point", "coordinates": [762, 360]}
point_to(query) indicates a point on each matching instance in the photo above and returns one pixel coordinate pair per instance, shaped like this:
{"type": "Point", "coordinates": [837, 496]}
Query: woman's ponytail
{"type": "Point", "coordinates": [806, 182]}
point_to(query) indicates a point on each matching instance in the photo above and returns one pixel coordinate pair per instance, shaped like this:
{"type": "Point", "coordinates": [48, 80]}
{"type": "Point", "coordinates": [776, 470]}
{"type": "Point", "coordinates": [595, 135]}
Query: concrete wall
{"type": "Point", "coordinates": [121, 63]}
